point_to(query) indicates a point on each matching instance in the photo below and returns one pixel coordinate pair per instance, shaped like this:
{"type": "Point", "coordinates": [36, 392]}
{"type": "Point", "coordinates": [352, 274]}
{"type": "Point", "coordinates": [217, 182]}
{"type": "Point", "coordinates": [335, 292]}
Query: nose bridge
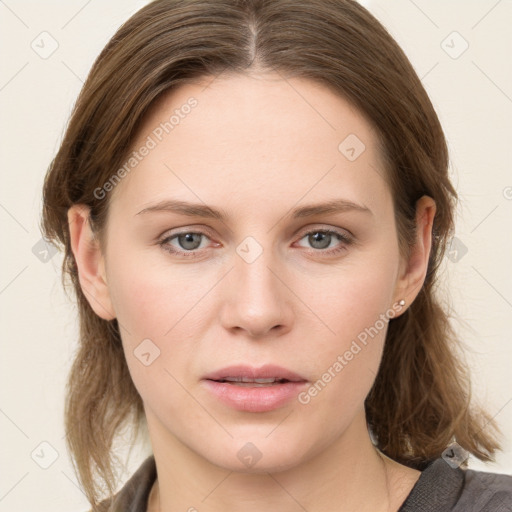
{"type": "Point", "coordinates": [257, 277]}
{"type": "Point", "coordinates": [257, 300]}
{"type": "Point", "coordinates": [254, 275]}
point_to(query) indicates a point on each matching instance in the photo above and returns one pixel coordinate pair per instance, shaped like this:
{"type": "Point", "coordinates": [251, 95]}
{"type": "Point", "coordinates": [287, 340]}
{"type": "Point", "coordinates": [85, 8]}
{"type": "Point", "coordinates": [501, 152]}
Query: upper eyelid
{"type": "Point", "coordinates": [205, 231]}
{"type": "Point", "coordinates": [169, 233]}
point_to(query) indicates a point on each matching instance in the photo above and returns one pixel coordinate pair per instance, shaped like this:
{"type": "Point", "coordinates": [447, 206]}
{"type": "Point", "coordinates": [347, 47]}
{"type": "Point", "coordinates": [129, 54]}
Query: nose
{"type": "Point", "coordinates": [257, 300]}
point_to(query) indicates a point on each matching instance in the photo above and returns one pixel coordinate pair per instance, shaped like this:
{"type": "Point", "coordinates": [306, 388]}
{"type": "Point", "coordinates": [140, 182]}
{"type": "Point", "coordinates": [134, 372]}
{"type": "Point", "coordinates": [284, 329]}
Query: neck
{"type": "Point", "coordinates": [350, 473]}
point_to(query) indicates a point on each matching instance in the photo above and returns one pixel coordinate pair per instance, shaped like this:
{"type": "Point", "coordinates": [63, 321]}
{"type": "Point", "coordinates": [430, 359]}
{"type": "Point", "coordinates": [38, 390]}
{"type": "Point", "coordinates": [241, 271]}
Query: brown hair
{"type": "Point", "coordinates": [420, 400]}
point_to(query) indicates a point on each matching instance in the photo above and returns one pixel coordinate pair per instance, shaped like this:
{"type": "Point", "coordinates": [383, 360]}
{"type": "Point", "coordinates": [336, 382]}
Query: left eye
{"type": "Point", "coordinates": [187, 241]}
{"type": "Point", "coordinates": [322, 239]}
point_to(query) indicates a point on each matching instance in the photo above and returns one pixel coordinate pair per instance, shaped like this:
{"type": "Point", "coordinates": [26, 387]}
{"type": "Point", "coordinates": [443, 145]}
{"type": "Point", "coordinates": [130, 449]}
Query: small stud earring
{"type": "Point", "coordinates": [402, 303]}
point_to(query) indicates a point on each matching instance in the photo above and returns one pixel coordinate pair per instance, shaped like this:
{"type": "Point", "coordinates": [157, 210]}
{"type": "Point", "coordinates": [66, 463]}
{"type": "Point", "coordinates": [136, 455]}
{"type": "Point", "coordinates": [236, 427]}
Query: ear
{"type": "Point", "coordinates": [413, 271]}
{"type": "Point", "coordinates": [90, 261]}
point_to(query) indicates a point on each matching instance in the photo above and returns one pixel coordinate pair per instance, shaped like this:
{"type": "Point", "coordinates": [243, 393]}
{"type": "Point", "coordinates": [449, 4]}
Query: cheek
{"type": "Point", "coordinates": [172, 306]}
{"type": "Point", "coordinates": [149, 297]}
{"type": "Point", "coordinates": [355, 308]}
{"type": "Point", "coordinates": [351, 298]}
{"type": "Point", "coordinates": [153, 309]}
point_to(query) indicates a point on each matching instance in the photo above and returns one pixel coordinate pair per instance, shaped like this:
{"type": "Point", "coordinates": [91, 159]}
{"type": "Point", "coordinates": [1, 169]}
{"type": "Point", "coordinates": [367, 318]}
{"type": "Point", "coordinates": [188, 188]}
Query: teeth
{"type": "Point", "coordinates": [248, 380]}
{"type": "Point", "coordinates": [255, 384]}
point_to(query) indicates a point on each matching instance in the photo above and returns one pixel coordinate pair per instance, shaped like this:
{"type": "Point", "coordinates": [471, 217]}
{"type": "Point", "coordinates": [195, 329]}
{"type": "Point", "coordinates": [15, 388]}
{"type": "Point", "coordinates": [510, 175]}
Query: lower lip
{"type": "Point", "coordinates": [255, 399]}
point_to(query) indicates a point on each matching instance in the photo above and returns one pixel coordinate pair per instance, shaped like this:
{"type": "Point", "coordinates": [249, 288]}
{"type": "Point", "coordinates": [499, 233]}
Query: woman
{"type": "Point", "coordinates": [253, 201]}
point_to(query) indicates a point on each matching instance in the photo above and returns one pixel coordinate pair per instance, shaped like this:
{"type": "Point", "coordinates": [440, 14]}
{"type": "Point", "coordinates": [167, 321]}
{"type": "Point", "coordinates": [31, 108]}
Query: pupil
{"type": "Point", "coordinates": [190, 240]}
{"type": "Point", "coordinates": [323, 239]}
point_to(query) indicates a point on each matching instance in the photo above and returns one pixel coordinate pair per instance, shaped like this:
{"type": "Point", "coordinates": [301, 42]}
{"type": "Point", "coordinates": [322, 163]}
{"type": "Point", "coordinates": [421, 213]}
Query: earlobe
{"type": "Point", "coordinates": [90, 261]}
{"type": "Point", "coordinates": [415, 269]}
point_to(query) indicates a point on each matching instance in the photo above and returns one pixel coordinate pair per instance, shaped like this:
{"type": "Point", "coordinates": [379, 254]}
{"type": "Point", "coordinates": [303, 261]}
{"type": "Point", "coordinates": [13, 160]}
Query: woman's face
{"type": "Point", "coordinates": [290, 269]}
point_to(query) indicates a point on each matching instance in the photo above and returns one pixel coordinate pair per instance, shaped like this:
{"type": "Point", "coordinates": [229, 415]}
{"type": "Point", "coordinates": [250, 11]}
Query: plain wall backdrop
{"type": "Point", "coordinates": [461, 51]}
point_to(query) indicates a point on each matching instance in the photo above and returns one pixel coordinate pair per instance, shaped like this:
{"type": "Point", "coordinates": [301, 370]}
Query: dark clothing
{"type": "Point", "coordinates": [440, 488]}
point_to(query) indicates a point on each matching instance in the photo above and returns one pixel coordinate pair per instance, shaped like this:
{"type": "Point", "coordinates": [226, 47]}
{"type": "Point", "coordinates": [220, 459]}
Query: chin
{"type": "Point", "coordinates": [261, 453]}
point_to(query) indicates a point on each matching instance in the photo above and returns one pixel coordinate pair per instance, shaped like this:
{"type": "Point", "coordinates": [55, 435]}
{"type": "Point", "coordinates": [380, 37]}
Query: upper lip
{"type": "Point", "coordinates": [250, 373]}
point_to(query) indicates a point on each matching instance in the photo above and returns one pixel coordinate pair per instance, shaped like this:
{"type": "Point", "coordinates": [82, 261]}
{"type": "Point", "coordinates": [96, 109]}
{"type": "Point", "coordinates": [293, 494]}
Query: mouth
{"type": "Point", "coordinates": [252, 389]}
{"type": "Point", "coordinates": [267, 375]}
{"type": "Point", "coordinates": [252, 383]}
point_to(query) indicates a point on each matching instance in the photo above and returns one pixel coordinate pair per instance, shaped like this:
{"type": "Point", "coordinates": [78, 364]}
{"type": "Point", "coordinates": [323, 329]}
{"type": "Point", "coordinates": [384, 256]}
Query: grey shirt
{"type": "Point", "coordinates": [440, 488]}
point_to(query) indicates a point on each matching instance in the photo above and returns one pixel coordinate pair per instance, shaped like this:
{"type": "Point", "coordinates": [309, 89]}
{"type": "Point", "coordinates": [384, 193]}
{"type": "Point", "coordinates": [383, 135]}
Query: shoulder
{"type": "Point", "coordinates": [442, 488]}
{"type": "Point", "coordinates": [486, 492]}
{"type": "Point", "coordinates": [133, 496]}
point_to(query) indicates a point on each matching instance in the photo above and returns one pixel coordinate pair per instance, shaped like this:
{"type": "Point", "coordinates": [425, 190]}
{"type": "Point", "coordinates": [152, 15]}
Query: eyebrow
{"type": "Point", "coordinates": [205, 211]}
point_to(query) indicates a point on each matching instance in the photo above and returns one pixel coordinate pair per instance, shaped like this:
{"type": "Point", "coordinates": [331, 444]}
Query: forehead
{"type": "Point", "coordinates": [251, 136]}
{"type": "Point", "coordinates": [250, 109]}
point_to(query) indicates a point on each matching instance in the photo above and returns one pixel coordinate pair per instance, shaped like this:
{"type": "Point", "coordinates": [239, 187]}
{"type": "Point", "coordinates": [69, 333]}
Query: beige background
{"type": "Point", "coordinates": [471, 89]}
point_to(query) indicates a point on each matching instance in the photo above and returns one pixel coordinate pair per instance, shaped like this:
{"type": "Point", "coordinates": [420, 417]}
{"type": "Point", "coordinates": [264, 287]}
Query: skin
{"type": "Point", "coordinates": [256, 147]}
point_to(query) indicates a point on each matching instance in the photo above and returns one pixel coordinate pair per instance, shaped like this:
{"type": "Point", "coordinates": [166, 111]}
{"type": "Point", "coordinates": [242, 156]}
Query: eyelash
{"type": "Point", "coordinates": [345, 239]}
